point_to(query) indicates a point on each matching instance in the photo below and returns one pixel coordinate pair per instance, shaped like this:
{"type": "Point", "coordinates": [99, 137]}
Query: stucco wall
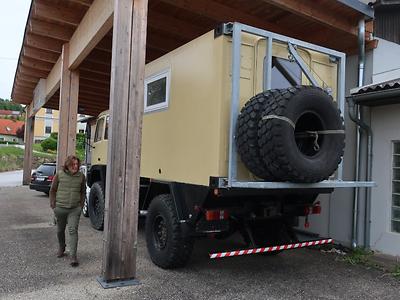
{"type": "Point", "coordinates": [386, 128]}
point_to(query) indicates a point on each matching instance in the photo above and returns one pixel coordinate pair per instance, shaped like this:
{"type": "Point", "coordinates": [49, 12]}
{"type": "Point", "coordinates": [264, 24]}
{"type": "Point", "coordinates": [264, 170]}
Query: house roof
{"type": "Point", "coordinates": [377, 94]}
{"type": "Point", "coordinates": [5, 112]}
{"type": "Point", "coordinates": [10, 127]}
{"type": "Point", "coordinates": [170, 24]}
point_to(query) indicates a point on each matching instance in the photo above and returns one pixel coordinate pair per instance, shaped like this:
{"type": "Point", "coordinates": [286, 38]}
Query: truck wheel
{"type": "Point", "coordinates": [96, 205]}
{"type": "Point", "coordinates": [247, 138]}
{"type": "Point", "coordinates": [167, 245]}
{"type": "Point", "coordinates": [288, 144]}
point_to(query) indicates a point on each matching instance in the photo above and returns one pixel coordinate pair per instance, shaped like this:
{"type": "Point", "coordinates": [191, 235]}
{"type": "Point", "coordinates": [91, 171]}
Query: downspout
{"type": "Point", "coordinates": [355, 115]}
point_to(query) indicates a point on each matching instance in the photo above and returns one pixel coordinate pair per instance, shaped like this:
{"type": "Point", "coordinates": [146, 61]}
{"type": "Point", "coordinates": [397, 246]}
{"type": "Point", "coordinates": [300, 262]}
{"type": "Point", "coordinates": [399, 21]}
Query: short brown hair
{"type": "Point", "coordinates": [69, 160]}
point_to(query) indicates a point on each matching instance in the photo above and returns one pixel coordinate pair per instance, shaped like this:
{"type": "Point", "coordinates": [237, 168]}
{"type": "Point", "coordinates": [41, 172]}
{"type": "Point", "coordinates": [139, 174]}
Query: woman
{"type": "Point", "coordinates": [67, 196]}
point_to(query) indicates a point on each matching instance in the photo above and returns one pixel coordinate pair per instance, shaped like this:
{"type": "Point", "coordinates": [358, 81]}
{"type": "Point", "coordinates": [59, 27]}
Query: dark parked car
{"type": "Point", "coordinates": [42, 178]}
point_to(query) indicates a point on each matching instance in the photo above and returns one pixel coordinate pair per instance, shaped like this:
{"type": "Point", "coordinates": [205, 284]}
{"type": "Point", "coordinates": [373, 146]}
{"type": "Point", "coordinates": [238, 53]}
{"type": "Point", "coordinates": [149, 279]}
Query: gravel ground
{"type": "Point", "coordinates": [30, 270]}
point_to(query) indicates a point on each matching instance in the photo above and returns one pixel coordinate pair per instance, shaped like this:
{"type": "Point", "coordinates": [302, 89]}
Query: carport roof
{"type": "Point", "coordinates": [171, 23]}
{"type": "Point", "coordinates": [377, 94]}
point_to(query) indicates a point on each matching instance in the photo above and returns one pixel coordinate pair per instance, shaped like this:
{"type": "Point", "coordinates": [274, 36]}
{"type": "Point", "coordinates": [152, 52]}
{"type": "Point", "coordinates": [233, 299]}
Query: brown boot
{"type": "Point", "coordinates": [74, 261]}
{"type": "Point", "coordinates": [60, 252]}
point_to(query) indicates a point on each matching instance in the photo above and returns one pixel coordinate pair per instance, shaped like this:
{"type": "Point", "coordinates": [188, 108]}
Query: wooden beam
{"type": "Point", "coordinates": [32, 72]}
{"type": "Point", "coordinates": [86, 3]}
{"type": "Point", "coordinates": [225, 13]}
{"type": "Point", "coordinates": [173, 25]}
{"type": "Point", "coordinates": [42, 55]}
{"type": "Point", "coordinates": [43, 43]}
{"type": "Point", "coordinates": [39, 97]}
{"type": "Point", "coordinates": [27, 78]}
{"type": "Point", "coordinates": [123, 168]}
{"type": "Point", "coordinates": [95, 67]}
{"type": "Point", "coordinates": [36, 64]}
{"type": "Point", "coordinates": [53, 79]}
{"type": "Point", "coordinates": [69, 90]}
{"type": "Point", "coordinates": [28, 151]}
{"type": "Point", "coordinates": [51, 30]}
{"type": "Point", "coordinates": [96, 23]}
{"type": "Point", "coordinates": [59, 13]}
{"type": "Point", "coordinates": [307, 9]}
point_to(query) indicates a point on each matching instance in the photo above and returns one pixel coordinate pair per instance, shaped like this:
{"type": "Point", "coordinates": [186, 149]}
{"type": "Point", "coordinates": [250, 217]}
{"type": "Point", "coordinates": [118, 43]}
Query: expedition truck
{"type": "Point", "coordinates": [241, 129]}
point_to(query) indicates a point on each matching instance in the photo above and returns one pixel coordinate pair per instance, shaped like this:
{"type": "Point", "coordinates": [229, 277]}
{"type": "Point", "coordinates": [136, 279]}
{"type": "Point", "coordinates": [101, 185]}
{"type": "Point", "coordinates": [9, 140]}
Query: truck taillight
{"type": "Point", "coordinates": [213, 215]}
{"type": "Point", "coordinates": [316, 209]}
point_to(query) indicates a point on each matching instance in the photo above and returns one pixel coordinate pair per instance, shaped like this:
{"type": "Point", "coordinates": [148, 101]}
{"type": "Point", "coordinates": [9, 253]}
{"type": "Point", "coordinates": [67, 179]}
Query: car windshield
{"type": "Point", "coordinates": [46, 170]}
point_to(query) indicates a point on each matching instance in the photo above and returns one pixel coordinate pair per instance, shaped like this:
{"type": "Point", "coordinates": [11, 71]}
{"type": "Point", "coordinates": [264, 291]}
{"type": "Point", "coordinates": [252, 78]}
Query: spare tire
{"type": "Point", "coordinates": [247, 135]}
{"type": "Point", "coordinates": [301, 134]}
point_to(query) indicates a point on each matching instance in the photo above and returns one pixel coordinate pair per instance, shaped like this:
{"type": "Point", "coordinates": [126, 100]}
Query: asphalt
{"type": "Point", "coordinates": [29, 268]}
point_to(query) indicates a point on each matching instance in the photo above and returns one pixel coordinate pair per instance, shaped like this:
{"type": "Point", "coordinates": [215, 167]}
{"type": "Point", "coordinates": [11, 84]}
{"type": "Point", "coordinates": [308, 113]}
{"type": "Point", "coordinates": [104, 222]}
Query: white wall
{"type": "Point", "coordinates": [386, 62]}
{"type": "Point", "coordinates": [386, 128]}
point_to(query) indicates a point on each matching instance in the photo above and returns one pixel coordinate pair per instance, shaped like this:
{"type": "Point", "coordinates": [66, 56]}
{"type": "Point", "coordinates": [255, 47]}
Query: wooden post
{"type": "Point", "coordinates": [28, 152]}
{"type": "Point", "coordinates": [69, 90]}
{"type": "Point", "coordinates": [124, 146]}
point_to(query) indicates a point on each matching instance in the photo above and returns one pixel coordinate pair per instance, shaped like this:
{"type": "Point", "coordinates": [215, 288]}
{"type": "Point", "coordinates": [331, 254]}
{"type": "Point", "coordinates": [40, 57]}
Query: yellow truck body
{"type": "Point", "coordinates": [188, 140]}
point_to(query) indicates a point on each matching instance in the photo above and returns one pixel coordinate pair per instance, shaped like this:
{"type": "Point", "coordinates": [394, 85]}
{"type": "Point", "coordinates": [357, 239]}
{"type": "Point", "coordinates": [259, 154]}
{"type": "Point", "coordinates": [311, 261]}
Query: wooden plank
{"type": "Point", "coordinates": [28, 151]}
{"type": "Point", "coordinates": [51, 30]}
{"type": "Point", "coordinates": [224, 13]}
{"type": "Point", "coordinates": [43, 43]}
{"type": "Point", "coordinates": [42, 55]}
{"type": "Point", "coordinates": [310, 11]}
{"type": "Point", "coordinates": [59, 13]}
{"type": "Point", "coordinates": [36, 64]}
{"type": "Point", "coordinates": [126, 106]}
{"type": "Point", "coordinates": [53, 79]}
{"type": "Point", "coordinates": [32, 72]}
{"type": "Point", "coordinates": [39, 97]}
{"type": "Point", "coordinates": [94, 26]}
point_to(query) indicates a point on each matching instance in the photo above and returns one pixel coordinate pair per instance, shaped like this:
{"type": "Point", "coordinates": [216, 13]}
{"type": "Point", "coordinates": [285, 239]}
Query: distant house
{"type": "Point", "coordinates": [8, 130]}
{"type": "Point", "coordinates": [10, 113]}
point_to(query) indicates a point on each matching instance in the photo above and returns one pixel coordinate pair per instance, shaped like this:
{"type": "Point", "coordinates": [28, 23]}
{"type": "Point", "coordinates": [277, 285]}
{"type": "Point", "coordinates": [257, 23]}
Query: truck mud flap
{"type": "Point", "coordinates": [271, 248]}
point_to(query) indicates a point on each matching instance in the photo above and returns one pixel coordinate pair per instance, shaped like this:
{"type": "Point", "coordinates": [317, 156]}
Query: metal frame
{"type": "Point", "coordinates": [236, 31]}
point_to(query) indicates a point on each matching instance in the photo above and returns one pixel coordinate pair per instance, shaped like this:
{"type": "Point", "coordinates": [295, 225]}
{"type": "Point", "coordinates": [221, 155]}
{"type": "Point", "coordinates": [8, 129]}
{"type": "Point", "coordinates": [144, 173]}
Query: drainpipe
{"type": "Point", "coordinates": [367, 129]}
{"type": "Point", "coordinates": [361, 67]}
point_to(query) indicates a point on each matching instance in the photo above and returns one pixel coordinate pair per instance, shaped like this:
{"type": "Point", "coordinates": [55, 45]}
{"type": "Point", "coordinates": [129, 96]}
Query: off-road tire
{"type": "Point", "coordinates": [96, 205]}
{"type": "Point", "coordinates": [247, 135]}
{"type": "Point", "coordinates": [294, 160]}
{"type": "Point", "coordinates": [167, 245]}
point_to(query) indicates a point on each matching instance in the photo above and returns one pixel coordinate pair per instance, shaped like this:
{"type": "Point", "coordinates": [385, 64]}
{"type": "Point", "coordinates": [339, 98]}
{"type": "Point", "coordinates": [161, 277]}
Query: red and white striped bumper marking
{"type": "Point", "coordinates": [271, 248]}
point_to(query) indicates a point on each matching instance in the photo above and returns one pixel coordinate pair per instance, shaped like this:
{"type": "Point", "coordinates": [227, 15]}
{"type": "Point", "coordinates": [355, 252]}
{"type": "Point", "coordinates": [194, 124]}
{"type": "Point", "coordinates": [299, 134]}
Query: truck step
{"type": "Point", "coordinates": [271, 248]}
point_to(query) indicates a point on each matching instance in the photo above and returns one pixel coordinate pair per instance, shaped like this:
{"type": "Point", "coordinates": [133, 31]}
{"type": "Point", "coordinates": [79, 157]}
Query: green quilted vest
{"type": "Point", "coordinates": [69, 189]}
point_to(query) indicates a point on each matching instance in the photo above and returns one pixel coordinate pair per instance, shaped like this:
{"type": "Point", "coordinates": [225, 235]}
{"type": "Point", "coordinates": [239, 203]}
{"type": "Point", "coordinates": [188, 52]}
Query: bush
{"type": "Point", "coordinates": [49, 144]}
{"type": "Point", "coordinates": [80, 141]}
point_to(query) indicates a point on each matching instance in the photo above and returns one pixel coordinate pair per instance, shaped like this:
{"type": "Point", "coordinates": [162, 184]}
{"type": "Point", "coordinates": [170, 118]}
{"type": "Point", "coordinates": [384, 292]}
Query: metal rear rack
{"type": "Point", "coordinates": [236, 30]}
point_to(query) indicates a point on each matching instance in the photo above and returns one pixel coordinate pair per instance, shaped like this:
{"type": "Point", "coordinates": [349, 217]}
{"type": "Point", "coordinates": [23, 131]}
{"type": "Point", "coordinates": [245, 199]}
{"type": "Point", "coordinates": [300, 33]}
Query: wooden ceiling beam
{"type": "Point", "coordinates": [307, 9]}
{"type": "Point", "coordinates": [224, 13]}
{"type": "Point", "coordinates": [95, 68]}
{"type": "Point", "coordinates": [43, 43]}
{"type": "Point", "coordinates": [99, 56]}
{"type": "Point", "coordinates": [172, 25]}
{"type": "Point", "coordinates": [42, 55]}
{"type": "Point", "coordinates": [26, 84]}
{"type": "Point", "coordinates": [32, 72]}
{"type": "Point", "coordinates": [85, 3]}
{"type": "Point", "coordinates": [36, 64]}
{"type": "Point", "coordinates": [60, 13]}
{"type": "Point", "coordinates": [26, 78]}
{"type": "Point", "coordinates": [51, 30]}
{"type": "Point", "coordinates": [95, 77]}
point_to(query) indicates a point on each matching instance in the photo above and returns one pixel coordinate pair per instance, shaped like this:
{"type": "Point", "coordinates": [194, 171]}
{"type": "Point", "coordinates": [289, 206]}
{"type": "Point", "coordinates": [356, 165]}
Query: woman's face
{"type": "Point", "coordinates": [73, 167]}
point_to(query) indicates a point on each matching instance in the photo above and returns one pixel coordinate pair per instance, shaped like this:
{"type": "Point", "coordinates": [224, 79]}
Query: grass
{"type": "Point", "coordinates": [396, 272]}
{"type": "Point", "coordinates": [12, 158]}
{"type": "Point", "coordinates": [358, 256]}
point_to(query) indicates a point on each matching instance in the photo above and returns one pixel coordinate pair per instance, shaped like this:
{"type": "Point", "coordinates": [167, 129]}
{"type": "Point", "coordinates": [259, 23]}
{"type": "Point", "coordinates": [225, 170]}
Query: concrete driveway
{"type": "Point", "coordinates": [30, 270]}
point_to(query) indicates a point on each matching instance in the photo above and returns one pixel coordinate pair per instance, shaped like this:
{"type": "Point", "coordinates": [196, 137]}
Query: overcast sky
{"type": "Point", "coordinates": [13, 15]}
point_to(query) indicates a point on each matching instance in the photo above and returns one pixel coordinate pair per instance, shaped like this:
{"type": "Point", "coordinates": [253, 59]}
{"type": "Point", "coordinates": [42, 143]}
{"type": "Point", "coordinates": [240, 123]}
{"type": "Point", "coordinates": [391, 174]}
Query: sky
{"type": "Point", "coordinates": [13, 16]}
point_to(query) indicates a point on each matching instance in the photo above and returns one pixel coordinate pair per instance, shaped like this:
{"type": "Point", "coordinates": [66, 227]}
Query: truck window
{"type": "Point", "coordinates": [98, 136]}
{"type": "Point", "coordinates": [106, 129]}
{"type": "Point", "coordinates": [156, 91]}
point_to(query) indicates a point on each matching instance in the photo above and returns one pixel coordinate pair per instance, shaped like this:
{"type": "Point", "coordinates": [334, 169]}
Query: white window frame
{"type": "Point", "coordinates": [152, 78]}
{"type": "Point", "coordinates": [392, 190]}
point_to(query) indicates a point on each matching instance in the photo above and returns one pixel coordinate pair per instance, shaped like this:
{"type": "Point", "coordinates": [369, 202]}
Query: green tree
{"type": "Point", "coordinates": [7, 104]}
